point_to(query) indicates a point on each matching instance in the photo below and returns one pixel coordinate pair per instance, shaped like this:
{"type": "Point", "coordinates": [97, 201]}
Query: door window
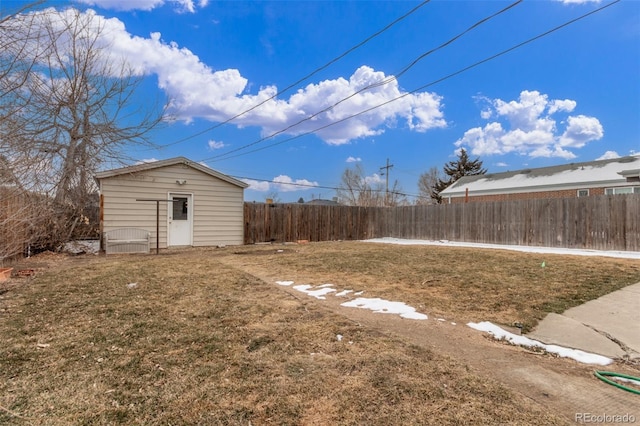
{"type": "Point", "coordinates": [180, 208]}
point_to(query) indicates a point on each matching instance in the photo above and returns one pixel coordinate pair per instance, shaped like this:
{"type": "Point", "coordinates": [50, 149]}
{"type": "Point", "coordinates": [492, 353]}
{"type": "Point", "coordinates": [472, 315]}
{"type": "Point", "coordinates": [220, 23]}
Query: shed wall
{"type": "Point", "coordinates": [217, 205]}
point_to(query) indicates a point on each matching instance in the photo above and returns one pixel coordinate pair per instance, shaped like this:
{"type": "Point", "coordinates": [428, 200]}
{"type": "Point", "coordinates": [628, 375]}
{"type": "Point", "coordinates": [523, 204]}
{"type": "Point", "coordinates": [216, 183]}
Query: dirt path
{"type": "Point", "coordinates": [561, 386]}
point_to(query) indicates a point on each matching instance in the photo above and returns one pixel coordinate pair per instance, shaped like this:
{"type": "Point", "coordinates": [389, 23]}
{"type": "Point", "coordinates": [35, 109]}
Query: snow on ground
{"type": "Point", "coordinates": [624, 380]}
{"type": "Point", "coordinates": [319, 293]}
{"type": "Point", "coordinates": [385, 307]}
{"type": "Point", "coordinates": [526, 249]}
{"type": "Point", "coordinates": [382, 306]}
{"type": "Point", "coordinates": [376, 305]}
{"type": "Point", "coordinates": [578, 355]}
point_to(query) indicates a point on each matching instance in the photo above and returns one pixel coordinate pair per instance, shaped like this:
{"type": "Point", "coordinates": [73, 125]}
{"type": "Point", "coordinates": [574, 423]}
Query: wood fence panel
{"type": "Point", "coordinates": [15, 218]}
{"type": "Point", "coordinates": [633, 226]}
{"type": "Point", "coordinates": [607, 222]}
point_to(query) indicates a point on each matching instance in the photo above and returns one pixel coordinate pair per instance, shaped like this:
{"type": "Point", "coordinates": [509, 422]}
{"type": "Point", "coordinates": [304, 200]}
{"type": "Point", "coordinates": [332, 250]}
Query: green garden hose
{"type": "Point", "coordinates": [602, 376]}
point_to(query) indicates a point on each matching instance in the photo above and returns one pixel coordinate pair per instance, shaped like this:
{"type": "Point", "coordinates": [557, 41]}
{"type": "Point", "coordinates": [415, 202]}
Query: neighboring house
{"type": "Point", "coordinates": [198, 206]}
{"type": "Point", "coordinates": [613, 176]}
{"type": "Point", "coordinates": [323, 202]}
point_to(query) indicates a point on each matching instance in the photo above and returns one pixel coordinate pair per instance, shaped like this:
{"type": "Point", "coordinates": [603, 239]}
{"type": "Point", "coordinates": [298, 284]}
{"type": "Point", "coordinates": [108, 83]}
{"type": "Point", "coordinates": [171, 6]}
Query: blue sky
{"type": "Point", "coordinates": [570, 96]}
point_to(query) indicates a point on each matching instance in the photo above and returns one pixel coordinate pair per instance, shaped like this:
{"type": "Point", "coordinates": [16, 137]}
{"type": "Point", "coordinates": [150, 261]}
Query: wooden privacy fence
{"type": "Point", "coordinates": [14, 222]}
{"type": "Point", "coordinates": [293, 222]}
{"type": "Point", "coordinates": [596, 222]}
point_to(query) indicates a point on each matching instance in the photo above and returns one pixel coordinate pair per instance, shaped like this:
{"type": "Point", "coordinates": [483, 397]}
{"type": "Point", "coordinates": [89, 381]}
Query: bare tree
{"type": "Point", "coordinates": [274, 196]}
{"type": "Point", "coordinates": [396, 196]}
{"type": "Point", "coordinates": [66, 107]}
{"type": "Point", "coordinates": [356, 190]}
{"type": "Point", "coordinates": [426, 185]}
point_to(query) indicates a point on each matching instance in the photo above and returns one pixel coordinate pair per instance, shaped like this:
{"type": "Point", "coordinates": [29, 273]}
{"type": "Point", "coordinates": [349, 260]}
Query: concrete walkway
{"type": "Point", "coordinates": [609, 325]}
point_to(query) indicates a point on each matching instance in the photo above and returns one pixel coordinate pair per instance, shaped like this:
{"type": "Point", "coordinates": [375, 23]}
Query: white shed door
{"type": "Point", "coordinates": [180, 219]}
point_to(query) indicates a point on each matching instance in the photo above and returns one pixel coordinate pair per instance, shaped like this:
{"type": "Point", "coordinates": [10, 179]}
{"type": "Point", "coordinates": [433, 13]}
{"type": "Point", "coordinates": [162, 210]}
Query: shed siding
{"type": "Point", "coordinates": [217, 205]}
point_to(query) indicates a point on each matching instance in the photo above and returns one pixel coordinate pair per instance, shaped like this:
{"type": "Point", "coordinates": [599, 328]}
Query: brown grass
{"type": "Point", "coordinates": [501, 286]}
{"type": "Point", "coordinates": [200, 342]}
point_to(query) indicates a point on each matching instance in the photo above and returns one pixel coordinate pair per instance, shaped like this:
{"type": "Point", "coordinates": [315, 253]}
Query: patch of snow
{"type": "Point", "coordinates": [318, 294]}
{"type": "Point", "coordinates": [376, 305]}
{"type": "Point", "coordinates": [385, 307]}
{"type": "Point", "coordinates": [525, 249]}
{"type": "Point", "coordinates": [578, 355]}
{"type": "Point", "coordinates": [624, 379]}
{"type": "Point", "coordinates": [358, 293]}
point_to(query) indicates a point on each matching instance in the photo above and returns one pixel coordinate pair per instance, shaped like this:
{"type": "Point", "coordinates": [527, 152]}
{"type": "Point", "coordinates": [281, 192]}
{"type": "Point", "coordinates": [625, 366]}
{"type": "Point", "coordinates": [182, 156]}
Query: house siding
{"type": "Point", "coordinates": [217, 205]}
{"type": "Point", "coordinates": [565, 193]}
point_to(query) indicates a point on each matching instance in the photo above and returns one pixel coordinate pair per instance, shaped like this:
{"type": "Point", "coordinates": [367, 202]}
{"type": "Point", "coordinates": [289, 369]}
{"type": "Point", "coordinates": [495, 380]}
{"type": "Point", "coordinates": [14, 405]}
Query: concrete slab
{"type": "Point", "coordinates": [559, 330]}
{"type": "Point", "coordinates": [617, 314]}
{"type": "Point", "coordinates": [609, 325]}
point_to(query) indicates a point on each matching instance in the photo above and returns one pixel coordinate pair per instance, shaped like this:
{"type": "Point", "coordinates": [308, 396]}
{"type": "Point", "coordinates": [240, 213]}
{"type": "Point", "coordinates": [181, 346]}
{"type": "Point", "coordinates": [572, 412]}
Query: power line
{"type": "Point", "coordinates": [336, 188]}
{"type": "Point", "coordinates": [373, 85]}
{"type": "Point", "coordinates": [465, 69]}
{"type": "Point", "coordinates": [314, 72]}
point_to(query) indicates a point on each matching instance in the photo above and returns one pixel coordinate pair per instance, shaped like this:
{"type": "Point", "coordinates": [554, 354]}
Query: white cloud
{"type": "Point", "coordinates": [566, 105]}
{"type": "Point", "coordinates": [526, 127]}
{"type": "Point", "coordinates": [548, 152]}
{"type": "Point", "coordinates": [420, 111]}
{"type": "Point", "coordinates": [486, 114]}
{"type": "Point", "coordinates": [280, 183]}
{"type": "Point", "coordinates": [580, 130]}
{"type": "Point", "coordinates": [146, 160]}
{"type": "Point", "coordinates": [197, 90]}
{"type": "Point", "coordinates": [125, 5]}
{"type": "Point", "coordinates": [216, 144]}
{"type": "Point", "coordinates": [501, 164]}
{"type": "Point", "coordinates": [286, 184]}
{"type": "Point", "coordinates": [354, 159]}
{"type": "Point", "coordinates": [261, 186]}
{"type": "Point", "coordinates": [373, 179]}
{"type": "Point", "coordinates": [609, 155]}
{"type": "Point", "coordinates": [578, 1]}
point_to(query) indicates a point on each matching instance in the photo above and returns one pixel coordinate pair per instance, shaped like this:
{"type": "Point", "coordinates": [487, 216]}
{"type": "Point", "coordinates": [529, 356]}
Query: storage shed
{"type": "Point", "coordinates": [182, 202]}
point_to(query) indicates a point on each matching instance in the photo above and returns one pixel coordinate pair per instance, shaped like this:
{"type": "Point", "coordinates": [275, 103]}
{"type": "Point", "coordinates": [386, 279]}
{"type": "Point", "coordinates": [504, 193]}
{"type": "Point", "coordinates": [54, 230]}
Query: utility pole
{"type": "Point", "coordinates": [386, 173]}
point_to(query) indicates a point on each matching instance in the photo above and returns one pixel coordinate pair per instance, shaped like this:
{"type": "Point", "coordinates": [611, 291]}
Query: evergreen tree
{"type": "Point", "coordinates": [454, 170]}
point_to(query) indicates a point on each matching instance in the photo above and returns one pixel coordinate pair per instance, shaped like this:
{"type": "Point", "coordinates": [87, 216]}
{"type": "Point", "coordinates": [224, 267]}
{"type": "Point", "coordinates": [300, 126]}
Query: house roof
{"type": "Point", "coordinates": [592, 174]}
{"type": "Point", "coordinates": [322, 202]}
{"type": "Point", "coordinates": [169, 162]}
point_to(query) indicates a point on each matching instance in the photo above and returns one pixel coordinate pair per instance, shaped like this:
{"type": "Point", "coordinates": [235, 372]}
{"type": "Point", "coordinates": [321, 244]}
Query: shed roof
{"type": "Point", "coordinates": [169, 162]}
{"type": "Point", "coordinates": [589, 174]}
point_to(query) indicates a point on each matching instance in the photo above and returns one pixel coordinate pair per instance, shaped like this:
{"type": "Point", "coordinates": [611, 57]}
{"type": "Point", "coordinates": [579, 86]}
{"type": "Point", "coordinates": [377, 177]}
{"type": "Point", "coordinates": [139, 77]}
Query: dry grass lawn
{"type": "Point", "coordinates": [501, 286]}
{"type": "Point", "coordinates": [199, 340]}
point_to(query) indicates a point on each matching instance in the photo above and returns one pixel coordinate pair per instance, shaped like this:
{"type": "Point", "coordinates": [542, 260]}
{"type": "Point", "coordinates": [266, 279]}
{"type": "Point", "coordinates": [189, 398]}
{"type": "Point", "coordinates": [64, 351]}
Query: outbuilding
{"type": "Point", "coordinates": [179, 201]}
